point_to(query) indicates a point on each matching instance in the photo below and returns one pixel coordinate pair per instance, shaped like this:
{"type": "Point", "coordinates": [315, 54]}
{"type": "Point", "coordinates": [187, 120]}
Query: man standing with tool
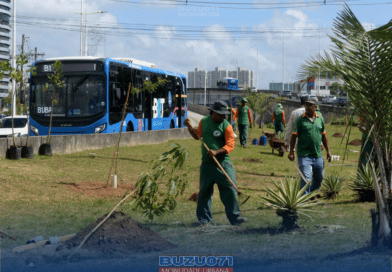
{"type": "Point", "coordinates": [278, 119]}
{"type": "Point", "coordinates": [244, 118]}
{"type": "Point", "coordinates": [310, 130]}
{"type": "Point", "coordinates": [218, 136]}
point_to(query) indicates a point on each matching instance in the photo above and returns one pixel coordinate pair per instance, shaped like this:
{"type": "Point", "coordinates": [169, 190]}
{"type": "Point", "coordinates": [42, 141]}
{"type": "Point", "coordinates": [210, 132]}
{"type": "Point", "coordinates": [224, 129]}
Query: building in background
{"type": "Point", "coordinates": [278, 86]}
{"type": "Point", "coordinates": [196, 79]}
{"type": "Point", "coordinates": [5, 43]}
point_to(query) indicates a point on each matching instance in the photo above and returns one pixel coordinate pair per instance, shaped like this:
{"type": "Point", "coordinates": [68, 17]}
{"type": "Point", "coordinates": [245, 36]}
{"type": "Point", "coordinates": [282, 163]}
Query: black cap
{"type": "Point", "coordinates": [303, 99]}
{"type": "Point", "coordinates": [220, 107]}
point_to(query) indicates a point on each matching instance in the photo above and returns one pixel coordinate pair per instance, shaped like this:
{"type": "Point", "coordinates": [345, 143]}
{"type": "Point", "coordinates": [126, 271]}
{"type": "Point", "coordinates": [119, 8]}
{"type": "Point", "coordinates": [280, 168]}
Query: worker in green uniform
{"type": "Point", "coordinates": [218, 135]}
{"type": "Point", "coordinates": [319, 112]}
{"type": "Point", "coordinates": [279, 119]}
{"type": "Point", "coordinates": [244, 119]}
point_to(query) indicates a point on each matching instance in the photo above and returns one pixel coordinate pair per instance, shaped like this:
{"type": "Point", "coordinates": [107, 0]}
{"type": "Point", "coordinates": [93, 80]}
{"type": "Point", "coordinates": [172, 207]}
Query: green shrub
{"type": "Point", "coordinates": [271, 125]}
{"type": "Point", "coordinates": [364, 183]}
{"type": "Point", "coordinates": [332, 185]}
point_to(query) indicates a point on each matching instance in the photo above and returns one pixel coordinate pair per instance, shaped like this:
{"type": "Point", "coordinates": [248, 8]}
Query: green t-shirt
{"type": "Point", "coordinates": [243, 118]}
{"type": "Point", "coordinates": [309, 136]}
{"type": "Point", "coordinates": [214, 137]}
{"type": "Point", "coordinates": [278, 115]}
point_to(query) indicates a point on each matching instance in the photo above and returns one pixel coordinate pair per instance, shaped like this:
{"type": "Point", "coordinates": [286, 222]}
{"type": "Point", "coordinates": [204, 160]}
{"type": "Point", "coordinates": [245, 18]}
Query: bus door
{"type": "Point", "coordinates": [147, 104]}
{"type": "Point", "coordinates": [180, 95]}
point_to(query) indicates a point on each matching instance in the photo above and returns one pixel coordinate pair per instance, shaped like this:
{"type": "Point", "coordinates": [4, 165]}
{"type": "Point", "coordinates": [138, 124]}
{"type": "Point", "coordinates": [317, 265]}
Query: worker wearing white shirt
{"type": "Point", "coordinates": [293, 117]}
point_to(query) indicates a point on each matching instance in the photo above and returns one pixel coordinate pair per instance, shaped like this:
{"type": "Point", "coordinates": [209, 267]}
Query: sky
{"type": "Point", "coordinates": [272, 37]}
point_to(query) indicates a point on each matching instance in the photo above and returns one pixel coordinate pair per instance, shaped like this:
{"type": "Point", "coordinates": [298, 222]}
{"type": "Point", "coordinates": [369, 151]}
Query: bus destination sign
{"type": "Point", "coordinates": [72, 67]}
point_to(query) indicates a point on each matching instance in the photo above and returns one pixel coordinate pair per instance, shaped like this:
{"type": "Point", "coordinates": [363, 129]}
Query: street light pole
{"type": "Point", "coordinates": [257, 68]}
{"type": "Point", "coordinates": [205, 87]}
{"type": "Point", "coordinates": [13, 57]}
{"type": "Point", "coordinates": [81, 22]}
{"type": "Point", "coordinates": [283, 63]}
{"type": "Point", "coordinates": [81, 28]}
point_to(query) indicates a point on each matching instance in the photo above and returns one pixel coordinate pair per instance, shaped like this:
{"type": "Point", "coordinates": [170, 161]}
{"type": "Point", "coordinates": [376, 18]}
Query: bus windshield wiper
{"type": "Point", "coordinates": [81, 81]}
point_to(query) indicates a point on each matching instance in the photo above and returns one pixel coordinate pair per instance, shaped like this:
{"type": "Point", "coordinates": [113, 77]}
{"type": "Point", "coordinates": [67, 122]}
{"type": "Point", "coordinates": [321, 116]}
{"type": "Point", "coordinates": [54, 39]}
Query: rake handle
{"type": "Point", "coordinates": [220, 166]}
{"type": "Point", "coordinates": [300, 172]}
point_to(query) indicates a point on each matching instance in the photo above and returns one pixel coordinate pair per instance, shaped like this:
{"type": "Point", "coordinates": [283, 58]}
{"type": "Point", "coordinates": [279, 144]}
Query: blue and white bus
{"type": "Point", "coordinates": [228, 83]}
{"type": "Point", "coordinates": [93, 96]}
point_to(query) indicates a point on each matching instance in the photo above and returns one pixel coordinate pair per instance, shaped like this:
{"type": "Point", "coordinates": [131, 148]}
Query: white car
{"type": "Point", "coordinates": [329, 99]}
{"type": "Point", "coordinates": [20, 126]}
{"type": "Point", "coordinates": [313, 96]}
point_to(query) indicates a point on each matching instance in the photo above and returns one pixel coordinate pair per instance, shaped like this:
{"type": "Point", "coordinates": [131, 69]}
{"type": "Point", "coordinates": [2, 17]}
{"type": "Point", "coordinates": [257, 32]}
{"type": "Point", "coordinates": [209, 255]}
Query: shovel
{"type": "Point", "coordinates": [242, 198]}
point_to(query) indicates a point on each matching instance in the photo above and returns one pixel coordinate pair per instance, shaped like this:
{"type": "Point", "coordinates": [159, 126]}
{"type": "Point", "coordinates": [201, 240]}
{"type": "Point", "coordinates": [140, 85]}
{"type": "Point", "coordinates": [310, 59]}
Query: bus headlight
{"type": "Point", "coordinates": [34, 130]}
{"type": "Point", "coordinates": [100, 128]}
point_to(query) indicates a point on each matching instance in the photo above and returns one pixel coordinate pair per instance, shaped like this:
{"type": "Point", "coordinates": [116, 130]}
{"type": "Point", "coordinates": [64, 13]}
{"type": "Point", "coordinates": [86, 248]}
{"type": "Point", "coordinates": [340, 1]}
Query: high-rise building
{"type": "Point", "coordinates": [197, 79]}
{"type": "Point", "coordinates": [5, 42]}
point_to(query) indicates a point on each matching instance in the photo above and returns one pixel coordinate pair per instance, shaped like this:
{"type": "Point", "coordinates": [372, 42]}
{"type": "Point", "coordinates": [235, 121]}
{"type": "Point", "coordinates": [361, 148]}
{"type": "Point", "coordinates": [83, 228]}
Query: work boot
{"type": "Point", "coordinates": [239, 220]}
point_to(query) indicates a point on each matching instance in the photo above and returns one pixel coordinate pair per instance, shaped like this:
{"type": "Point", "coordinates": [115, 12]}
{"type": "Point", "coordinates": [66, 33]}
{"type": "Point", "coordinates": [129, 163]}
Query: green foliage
{"type": "Point", "coordinates": [335, 120]}
{"type": "Point", "coordinates": [260, 103]}
{"type": "Point", "coordinates": [280, 135]}
{"type": "Point", "coordinates": [271, 125]}
{"type": "Point", "coordinates": [149, 86]}
{"type": "Point", "coordinates": [364, 183]}
{"type": "Point", "coordinates": [17, 75]}
{"type": "Point", "coordinates": [54, 89]}
{"type": "Point", "coordinates": [290, 197]}
{"type": "Point", "coordinates": [332, 185]}
{"type": "Point", "coordinates": [150, 197]}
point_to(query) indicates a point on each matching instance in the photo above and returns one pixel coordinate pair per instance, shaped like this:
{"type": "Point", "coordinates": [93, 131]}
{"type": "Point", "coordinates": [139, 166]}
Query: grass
{"type": "Point", "coordinates": [34, 203]}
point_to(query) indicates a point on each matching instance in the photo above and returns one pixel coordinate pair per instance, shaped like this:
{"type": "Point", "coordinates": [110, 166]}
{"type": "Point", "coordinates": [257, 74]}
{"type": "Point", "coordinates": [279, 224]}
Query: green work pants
{"type": "Point", "coordinates": [209, 175]}
{"type": "Point", "coordinates": [243, 130]}
{"type": "Point", "coordinates": [279, 127]}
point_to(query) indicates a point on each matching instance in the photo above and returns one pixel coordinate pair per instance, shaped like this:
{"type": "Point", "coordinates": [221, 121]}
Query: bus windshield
{"type": "Point", "coordinates": [80, 96]}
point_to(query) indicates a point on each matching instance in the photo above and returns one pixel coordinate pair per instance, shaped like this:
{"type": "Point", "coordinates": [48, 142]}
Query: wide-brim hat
{"type": "Point", "coordinates": [279, 106]}
{"type": "Point", "coordinates": [312, 100]}
{"type": "Point", "coordinates": [245, 100]}
{"type": "Point", "coordinates": [220, 107]}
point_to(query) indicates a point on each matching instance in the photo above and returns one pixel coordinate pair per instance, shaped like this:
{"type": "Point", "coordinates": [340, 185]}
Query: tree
{"type": "Point", "coordinates": [17, 75]}
{"type": "Point", "coordinates": [364, 59]}
{"type": "Point", "coordinates": [260, 103]}
{"type": "Point", "coordinates": [335, 88]}
{"type": "Point", "coordinates": [53, 89]}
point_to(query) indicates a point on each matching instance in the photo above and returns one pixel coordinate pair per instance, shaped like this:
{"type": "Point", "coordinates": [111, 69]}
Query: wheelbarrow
{"type": "Point", "coordinates": [278, 145]}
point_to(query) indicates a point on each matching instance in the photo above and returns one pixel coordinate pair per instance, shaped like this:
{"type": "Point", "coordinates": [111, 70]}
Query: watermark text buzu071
{"type": "Point", "coordinates": [198, 12]}
{"type": "Point", "coordinates": [196, 263]}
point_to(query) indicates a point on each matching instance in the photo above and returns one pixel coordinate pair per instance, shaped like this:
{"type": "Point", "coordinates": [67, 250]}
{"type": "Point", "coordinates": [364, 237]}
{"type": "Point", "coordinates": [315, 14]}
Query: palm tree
{"type": "Point", "coordinates": [364, 59]}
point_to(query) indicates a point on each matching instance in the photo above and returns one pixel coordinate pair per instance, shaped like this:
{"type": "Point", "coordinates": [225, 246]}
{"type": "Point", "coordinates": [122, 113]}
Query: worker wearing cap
{"type": "Point", "coordinates": [278, 119]}
{"type": "Point", "coordinates": [218, 135]}
{"type": "Point", "coordinates": [310, 131]}
{"type": "Point", "coordinates": [244, 119]}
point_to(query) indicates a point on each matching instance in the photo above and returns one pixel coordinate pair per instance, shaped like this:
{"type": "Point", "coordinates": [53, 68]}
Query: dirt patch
{"type": "Point", "coordinates": [97, 189]}
{"type": "Point", "coordinates": [337, 134]}
{"type": "Point", "coordinates": [250, 160]}
{"type": "Point", "coordinates": [194, 197]}
{"type": "Point", "coordinates": [120, 234]}
{"type": "Point", "coordinates": [356, 142]}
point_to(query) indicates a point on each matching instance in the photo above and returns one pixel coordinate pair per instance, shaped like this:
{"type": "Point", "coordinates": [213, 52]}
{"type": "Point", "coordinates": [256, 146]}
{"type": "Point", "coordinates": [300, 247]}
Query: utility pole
{"type": "Point", "coordinates": [81, 28]}
{"type": "Point", "coordinates": [257, 68]}
{"type": "Point", "coordinates": [205, 87]}
{"type": "Point", "coordinates": [21, 91]}
{"type": "Point", "coordinates": [13, 56]}
{"type": "Point", "coordinates": [81, 22]}
{"type": "Point", "coordinates": [283, 62]}
{"type": "Point", "coordinates": [319, 72]}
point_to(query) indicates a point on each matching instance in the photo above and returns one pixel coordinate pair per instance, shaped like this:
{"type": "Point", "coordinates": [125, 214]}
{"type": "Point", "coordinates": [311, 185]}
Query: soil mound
{"type": "Point", "coordinates": [193, 197]}
{"type": "Point", "coordinates": [250, 160]}
{"type": "Point", "coordinates": [120, 234]}
{"type": "Point", "coordinates": [356, 142]}
{"type": "Point", "coordinates": [340, 135]}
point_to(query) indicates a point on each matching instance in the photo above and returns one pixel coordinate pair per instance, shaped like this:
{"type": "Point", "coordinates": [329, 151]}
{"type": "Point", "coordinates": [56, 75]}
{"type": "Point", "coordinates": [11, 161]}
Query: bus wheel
{"type": "Point", "coordinates": [172, 124]}
{"type": "Point", "coordinates": [130, 127]}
